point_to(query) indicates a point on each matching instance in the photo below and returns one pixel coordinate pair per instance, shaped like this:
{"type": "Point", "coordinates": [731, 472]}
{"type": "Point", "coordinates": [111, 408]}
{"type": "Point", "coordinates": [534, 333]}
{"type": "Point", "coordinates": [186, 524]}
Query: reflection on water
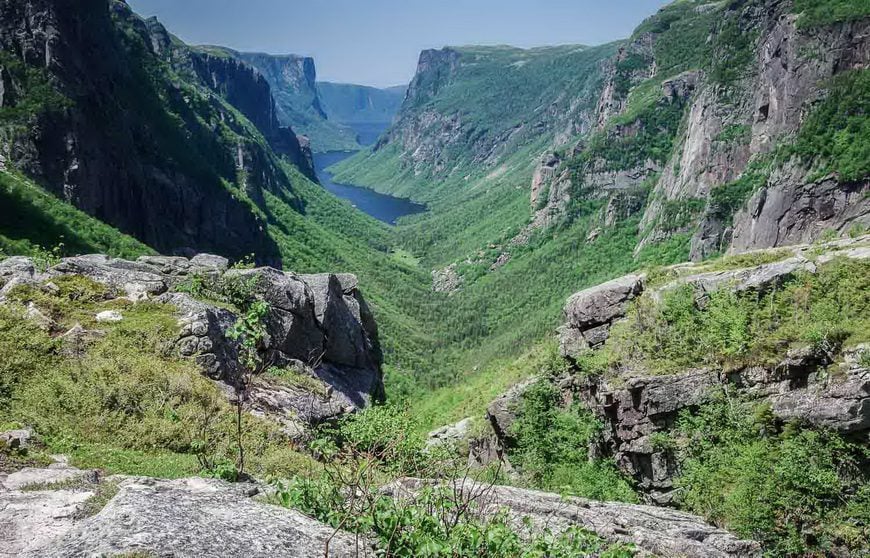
{"type": "Point", "coordinates": [380, 206]}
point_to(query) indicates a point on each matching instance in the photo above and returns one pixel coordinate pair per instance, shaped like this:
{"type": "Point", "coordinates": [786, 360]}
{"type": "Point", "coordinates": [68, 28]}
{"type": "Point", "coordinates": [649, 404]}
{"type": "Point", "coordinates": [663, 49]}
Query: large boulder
{"type": "Point", "coordinates": [195, 518]}
{"type": "Point", "coordinates": [590, 313]}
{"type": "Point", "coordinates": [655, 531]}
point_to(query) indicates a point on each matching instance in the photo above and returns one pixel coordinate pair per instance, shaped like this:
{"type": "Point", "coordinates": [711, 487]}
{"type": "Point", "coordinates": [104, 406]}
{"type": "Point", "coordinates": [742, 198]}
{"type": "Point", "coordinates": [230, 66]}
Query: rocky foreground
{"type": "Point", "coordinates": [318, 325]}
{"type": "Point", "coordinates": [63, 512]}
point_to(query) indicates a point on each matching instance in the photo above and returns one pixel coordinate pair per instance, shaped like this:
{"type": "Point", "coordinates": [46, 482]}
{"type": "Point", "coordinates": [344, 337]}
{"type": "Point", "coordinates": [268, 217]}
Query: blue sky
{"type": "Point", "coordinates": [377, 42]}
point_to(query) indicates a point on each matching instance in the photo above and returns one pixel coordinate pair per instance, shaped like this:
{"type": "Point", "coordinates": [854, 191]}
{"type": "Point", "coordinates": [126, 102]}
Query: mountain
{"type": "Point", "coordinates": [369, 111]}
{"type": "Point", "coordinates": [716, 127]}
{"type": "Point", "coordinates": [359, 104]}
{"type": "Point", "coordinates": [541, 322]}
{"type": "Point", "coordinates": [115, 116]}
{"type": "Point", "coordinates": [297, 99]}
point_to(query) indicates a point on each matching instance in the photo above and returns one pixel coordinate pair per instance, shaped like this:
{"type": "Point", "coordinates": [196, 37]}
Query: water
{"type": "Point", "coordinates": [368, 132]}
{"type": "Point", "coordinates": [380, 206]}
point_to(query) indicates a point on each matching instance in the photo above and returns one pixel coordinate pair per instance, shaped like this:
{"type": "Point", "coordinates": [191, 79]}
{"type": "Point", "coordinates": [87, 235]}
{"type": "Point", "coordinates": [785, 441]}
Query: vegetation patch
{"type": "Point", "coordinates": [799, 492]}
{"type": "Point", "coordinates": [552, 448]}
{"type": "Point", "coordinates": [815, 13]}
{"type": "Point", "coordinates": [120, 399]}
{"type": "Point", "coordinates": [835, 137]}
{"type": "Point", "coordinates": [826, 310]}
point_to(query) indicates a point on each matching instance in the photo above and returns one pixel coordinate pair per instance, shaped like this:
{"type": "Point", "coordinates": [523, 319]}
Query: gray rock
{"type": "Point", "coordinates": [655, 531]}
{"type": "Point", "coordinates": [450, 435]}
{"type": "Point", "coordinates": [120, 275]}
{"type": "Point", "coordinates": [320, 321]}
{"type": "Point", "coordinates": [16, 439]}
{"type": "Point", "coordinates": [109, 316]}
{"type": "Point", "coordinates": [196, 518]}
{"type": "Point", "coordinates": [446, 280]}
{"type": "Point", "coordinates": [36, 316]}
{"type": "Point", "coordinates": [209, 261]}
{"type": "Point", "coordinates": [760, 278]}
{"type": "Point", "coordinates": [841, 404]}
{"type": "Point", "coordinates": [590, 313]}
{"type": "Point", "coordinates": [502, 412]}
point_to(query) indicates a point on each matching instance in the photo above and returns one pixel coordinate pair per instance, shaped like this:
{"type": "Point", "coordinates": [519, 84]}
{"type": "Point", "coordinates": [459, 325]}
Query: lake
{"type": "Point", "coordinates": [380, 206]}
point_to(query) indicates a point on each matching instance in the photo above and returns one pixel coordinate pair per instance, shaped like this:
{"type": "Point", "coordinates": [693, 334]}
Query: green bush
{"type": "Point", "coordinates": [552, 448]}
{"type": "Point", "coordinates": [799, 492]}
{"type": "Point", "coordinates": [814, 13]}
{"type": "Point", "coordinates": [436, 522]}
{"type": "Point", "coordinates": [835, 137]}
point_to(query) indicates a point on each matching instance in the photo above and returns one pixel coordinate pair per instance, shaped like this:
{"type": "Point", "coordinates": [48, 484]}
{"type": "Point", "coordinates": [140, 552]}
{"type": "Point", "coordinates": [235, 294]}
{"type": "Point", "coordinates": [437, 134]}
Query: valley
{"type": "Point", "coordinates": [630, 278]}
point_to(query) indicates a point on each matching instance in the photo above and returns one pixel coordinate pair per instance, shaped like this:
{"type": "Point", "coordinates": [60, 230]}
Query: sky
{"type": "Point", "coordinates": [377, 42]}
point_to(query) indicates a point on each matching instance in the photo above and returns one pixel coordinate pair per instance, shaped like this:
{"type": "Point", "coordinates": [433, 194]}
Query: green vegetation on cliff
{"type": "Point", "coordinates": [799, 491]}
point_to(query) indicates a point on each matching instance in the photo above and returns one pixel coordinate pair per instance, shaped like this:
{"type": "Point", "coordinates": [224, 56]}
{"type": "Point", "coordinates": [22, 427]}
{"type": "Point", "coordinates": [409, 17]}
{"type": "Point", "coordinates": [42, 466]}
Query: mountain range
{"type": "Point", "coordinates": [641, 276]}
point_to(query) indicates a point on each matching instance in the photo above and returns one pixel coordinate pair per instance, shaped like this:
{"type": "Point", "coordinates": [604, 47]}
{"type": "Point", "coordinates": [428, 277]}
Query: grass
{"type": "Point", "coordinates": [30, 217]}
{"type": "Point", "coordinates": [827, 310]}
{"type": "Point", "coordinates": [816, 13]}
{"type": "Point", "coordinates": [122, 401]}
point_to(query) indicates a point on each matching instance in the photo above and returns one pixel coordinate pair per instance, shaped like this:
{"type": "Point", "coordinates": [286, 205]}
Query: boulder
{"type": "Point", "coordinates": [17, 440]}
{"type": "Point", "coordinates": [109, 316]}
{"type": "Point", "coordinates": [654, 531]}
{"type": "Point", "coordinates": [502, 412]}
{"type": "Point", "coordinates": [590, 313]}
{"type": "Point", "coordinates": [202, 518]}
{"type": "Point", "coordinates": [451, 435]}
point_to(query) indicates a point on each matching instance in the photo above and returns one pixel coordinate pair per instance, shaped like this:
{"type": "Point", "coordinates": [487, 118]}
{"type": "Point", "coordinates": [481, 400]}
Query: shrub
{"type": "Point", "coordinates": [826, 310]}
{"type": "Point", "coordinates": [552, 448]}
{"type": "Point", "coordinates": [799, 492]}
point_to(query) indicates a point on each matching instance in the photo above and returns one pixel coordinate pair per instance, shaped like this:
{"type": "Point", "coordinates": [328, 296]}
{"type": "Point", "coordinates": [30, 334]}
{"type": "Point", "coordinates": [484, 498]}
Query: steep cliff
{"type": "Point", "coordinates": [368, 111]}
{"type": "Point", "coordinates": [96, 115]}
{"type": "Point", "coordinates": [297, 100]}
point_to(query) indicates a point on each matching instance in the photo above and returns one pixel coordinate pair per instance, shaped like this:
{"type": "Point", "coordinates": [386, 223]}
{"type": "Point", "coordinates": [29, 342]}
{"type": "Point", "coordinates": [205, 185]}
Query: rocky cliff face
{"type": "Point", "coordinates": [103, 114]}
{"type": "Point", "coordinates": [825, 387]}
{"type": "Point", "coordinates": [788, 74]}
{"type": "Point", "coordinates": [297, 100]}
{"type": "Point", "coordinates": [457, 111]}
{"type": "Point", "coordinates": [318, 325]}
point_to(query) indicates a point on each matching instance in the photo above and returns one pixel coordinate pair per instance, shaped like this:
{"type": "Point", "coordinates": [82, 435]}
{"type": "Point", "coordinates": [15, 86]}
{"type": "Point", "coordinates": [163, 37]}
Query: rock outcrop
{"type": "Point", "coordinates": [44, 514]}
{"type": "Point", "coordinates": [762, 110]}
{"type": "Point", "coordinates": [590, 313]}
{"type": "Point", "coordinates": [319, 326]}
{"type": "Point", "coordinates": [654, 531]}
{"type": "Point", "coordinates": [806, 385]}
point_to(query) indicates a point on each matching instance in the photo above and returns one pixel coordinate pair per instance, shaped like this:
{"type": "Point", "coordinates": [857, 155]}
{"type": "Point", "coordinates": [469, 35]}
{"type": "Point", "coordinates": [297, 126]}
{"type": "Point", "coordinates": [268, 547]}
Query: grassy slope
{"type": "Point", "coordinates": [31, 218]}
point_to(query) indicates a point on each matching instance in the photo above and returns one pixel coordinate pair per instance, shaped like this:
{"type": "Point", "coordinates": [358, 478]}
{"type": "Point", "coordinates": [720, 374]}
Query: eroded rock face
{"type": "Point", "coordinates": [318, 324]}
{"type": "Point", "coordinates": [189, 517]}
{"type": "Point", "coordinates": [590, 313]}
{"type": "Point", "coordinates": [724, 133]}
{"type": "Point", "coordinates": [655, 531]}
{"type": "Point", "coordinates": [806, 385]}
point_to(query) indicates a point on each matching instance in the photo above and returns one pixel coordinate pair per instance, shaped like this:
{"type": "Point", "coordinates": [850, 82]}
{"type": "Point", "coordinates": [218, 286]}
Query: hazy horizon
{"type": "Point", "coordinates": [377, 43]}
